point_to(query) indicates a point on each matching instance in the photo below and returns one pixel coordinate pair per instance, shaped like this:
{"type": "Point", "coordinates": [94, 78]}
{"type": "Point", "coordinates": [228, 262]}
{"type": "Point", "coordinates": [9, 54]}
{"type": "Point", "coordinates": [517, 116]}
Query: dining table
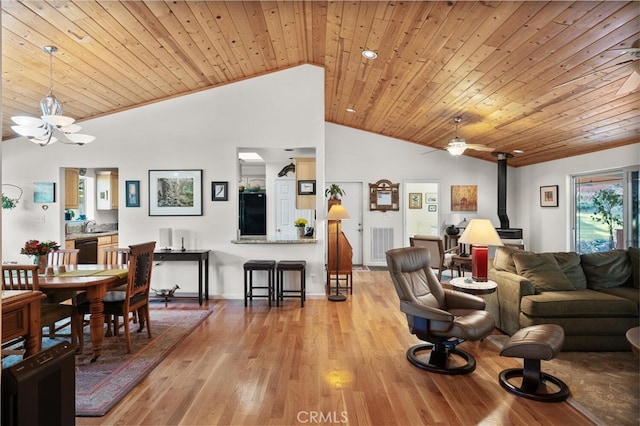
{"type": "Point", "coordinates": [95, 281]}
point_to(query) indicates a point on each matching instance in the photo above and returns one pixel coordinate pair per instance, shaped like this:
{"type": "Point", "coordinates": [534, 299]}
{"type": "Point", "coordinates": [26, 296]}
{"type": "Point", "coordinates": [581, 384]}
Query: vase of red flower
{"type": "Point", "coordinates": [39, 250]}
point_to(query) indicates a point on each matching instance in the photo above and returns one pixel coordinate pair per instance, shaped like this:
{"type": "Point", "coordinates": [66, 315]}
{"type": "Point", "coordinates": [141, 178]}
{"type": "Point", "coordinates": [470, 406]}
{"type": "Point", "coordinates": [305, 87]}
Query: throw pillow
{"type": "Point", "coordinates": [542, 270]}
{"type": "Point", "coordinates": [503, 260]}
{"type": "Point", "coordinates": [569, 262]}
{"type": "Point", "coordinates": [606, 269]}
{"type": "Point", "coordinates": [634, 255]}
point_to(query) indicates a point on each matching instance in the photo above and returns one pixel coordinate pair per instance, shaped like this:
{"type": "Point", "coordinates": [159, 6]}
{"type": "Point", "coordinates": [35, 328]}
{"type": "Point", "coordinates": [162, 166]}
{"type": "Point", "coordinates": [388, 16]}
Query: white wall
{"type": "Point", "coordinates": [356, 156]}
{"type": "Point", "coordinates": [284, 109]}
{"type": "Point", "coordinates": [197, 131]}
{"type": "Point", "coordinates": [550, 226]}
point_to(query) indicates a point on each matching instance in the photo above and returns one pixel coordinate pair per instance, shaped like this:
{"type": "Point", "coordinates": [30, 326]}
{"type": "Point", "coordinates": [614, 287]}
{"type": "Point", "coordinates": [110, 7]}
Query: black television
{"type": "Point", "coordinates": [41, 389]}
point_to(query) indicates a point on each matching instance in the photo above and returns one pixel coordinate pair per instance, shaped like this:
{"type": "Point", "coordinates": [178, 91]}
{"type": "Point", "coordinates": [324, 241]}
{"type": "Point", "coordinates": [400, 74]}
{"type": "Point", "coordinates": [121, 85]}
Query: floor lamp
{"type": "Point", "coordinates": [337, 212]}
{"type": "Point", "coordinates": [480, 233]}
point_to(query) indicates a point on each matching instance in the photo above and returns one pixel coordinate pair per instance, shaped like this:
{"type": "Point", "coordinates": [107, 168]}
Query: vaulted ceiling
{"type": "Point", "coordinates": [541, 77]}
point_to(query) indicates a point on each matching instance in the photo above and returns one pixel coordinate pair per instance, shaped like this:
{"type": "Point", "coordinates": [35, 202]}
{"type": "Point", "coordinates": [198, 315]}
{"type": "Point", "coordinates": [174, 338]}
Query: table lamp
{"type": "Point", "coordinates": [337, 212]}
{"type": "Point", "coordinates": [480, 233]}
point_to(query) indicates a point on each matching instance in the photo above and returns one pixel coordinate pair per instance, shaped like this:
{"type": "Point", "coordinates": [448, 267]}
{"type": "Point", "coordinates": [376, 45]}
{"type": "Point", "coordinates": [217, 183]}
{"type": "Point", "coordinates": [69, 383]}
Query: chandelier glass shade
{"type": "Point", "coordinates": [457, 146]}
{"type": "Point", "coordinates": [52, 125]}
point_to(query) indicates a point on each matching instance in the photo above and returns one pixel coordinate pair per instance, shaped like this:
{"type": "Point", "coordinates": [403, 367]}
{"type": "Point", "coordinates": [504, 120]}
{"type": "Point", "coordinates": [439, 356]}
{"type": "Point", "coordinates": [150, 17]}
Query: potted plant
{"type": "Point", "coordinates": [300, 224]}
{"type": "Point", "coordinates": [334, 192]}
{"type": "Point", "coordinates": [39, 250]}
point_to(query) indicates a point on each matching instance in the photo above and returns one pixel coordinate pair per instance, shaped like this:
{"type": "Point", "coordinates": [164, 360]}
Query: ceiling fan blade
{"type": "Point", "coordinates": [478, 147]}
{"type": "Point", "coordinates": [430, 152]}
{"type": "Point", "coordinates": [595, 71]}
{"type": "Point", "coordinates": [630, 84]}
{"type": "Point", "coordinates": [626, 50]}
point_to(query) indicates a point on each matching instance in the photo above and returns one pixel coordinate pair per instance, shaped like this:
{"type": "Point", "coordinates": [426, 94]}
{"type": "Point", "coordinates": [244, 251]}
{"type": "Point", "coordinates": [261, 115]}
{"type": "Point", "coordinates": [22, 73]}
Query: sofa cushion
{"type": "Point", "coordinates": [606, 269]}
{"type": "Point", "coordinates": [577, 303]}
{"type": "Point", "coordinates": [634, 255]}
{"type": "Point", "coordinates": [569, 262]}
{"type": "Point", "coordinates": [630, 293]}
{"type": "Point", "coordinates": [542, 270]}
{"type": "Point", "coordinates": [503, 260]}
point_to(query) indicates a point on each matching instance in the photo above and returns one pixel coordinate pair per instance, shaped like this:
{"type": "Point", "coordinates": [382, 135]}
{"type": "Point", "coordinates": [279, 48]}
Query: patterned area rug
{"type": "Point", "coordinates": [605, 386]}
{"type": "Point", "coordinates": [101, 385]}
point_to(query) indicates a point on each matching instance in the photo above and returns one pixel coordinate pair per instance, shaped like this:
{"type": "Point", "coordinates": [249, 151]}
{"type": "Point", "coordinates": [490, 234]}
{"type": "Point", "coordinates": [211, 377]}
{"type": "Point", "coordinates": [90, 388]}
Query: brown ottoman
{"type": "Point", "coordinates": [533, 344]}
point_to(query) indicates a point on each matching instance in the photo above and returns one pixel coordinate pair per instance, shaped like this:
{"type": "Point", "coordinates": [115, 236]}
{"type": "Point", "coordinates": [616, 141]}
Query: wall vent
{"type": "Point", "coordinates": [381, 241]}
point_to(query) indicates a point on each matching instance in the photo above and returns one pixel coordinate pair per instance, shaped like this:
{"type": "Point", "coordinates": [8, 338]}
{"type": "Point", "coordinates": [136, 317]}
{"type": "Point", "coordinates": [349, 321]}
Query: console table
{"type": "Point", "coordinates": [200, 256]}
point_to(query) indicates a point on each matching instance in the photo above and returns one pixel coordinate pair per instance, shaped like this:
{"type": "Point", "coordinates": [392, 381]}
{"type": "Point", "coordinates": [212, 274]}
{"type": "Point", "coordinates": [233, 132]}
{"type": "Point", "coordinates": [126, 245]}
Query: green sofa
{"type": "Point", "coordinates": [593, 297]}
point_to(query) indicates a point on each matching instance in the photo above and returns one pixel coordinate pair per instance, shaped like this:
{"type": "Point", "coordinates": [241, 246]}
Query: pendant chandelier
{"type": "Point", "coordinates": [52, 126]}
{"type": "Point", "coordinates": [457, 145]}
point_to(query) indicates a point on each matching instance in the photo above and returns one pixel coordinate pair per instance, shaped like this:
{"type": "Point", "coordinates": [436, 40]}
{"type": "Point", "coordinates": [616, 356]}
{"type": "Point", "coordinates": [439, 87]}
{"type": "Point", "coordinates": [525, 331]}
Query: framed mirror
{"type": "Point", "coordinates": [384, 195]}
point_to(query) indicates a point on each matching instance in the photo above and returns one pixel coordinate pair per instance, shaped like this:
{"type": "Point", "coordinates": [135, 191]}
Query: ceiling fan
{"type": "Point", "coordinates": [629, 59]}
{"type": "Point", "coordinates": [457, 145]}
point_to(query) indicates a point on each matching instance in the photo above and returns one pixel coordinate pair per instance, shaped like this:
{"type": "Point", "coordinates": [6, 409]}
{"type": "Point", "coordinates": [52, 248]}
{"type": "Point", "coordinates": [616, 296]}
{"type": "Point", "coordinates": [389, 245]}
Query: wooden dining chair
{"type": "Point", "coordinates": [136, 297]}
{"type": "Point", "coordinates": [116, 256]}
{"type": "Point", "coordinates": [60, 257]}
{"type": "Point", "coordinates": [63, 257]}
{"type": "Point", "coordinates": [25, 277]}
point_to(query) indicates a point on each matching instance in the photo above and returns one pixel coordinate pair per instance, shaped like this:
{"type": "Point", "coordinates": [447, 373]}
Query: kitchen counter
{"type": "Point", "coordinates": [274, 240]}
{"type": "Point", "coordinates": [86, 235]}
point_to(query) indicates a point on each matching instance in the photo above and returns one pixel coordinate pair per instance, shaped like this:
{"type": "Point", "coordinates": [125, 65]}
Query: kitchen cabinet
{"type": "Point", "coordinates": [104, 242]}
{"type": "Point", "coordinates": [71, 180]}
{"type": "Point", "coordinates": [107, 190]}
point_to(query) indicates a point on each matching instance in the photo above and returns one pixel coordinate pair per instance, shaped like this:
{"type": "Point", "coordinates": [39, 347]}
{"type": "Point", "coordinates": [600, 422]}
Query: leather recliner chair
{"type": "Point", "coordinates": [442, 317]}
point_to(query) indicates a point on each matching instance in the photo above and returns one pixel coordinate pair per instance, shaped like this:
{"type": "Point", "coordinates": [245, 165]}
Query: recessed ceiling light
{"type": "Point", "coordinates": [369, 54]}
{"type": "Point", "coordinates": [350, 110]}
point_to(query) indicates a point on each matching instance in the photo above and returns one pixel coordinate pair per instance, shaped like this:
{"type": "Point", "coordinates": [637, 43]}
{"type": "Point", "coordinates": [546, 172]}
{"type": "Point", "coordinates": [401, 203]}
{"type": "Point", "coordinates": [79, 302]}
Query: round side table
{"type": "Point", "coordinates": [633, 336]}
{"type": "Point", "coordinates": [474, 287]}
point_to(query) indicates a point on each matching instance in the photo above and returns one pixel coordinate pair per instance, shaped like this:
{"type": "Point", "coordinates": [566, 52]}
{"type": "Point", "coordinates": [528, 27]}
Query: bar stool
{"type": "Point", "coordinates": [291, 265]}
{"type": "Point", "coordinates": [258, 265]}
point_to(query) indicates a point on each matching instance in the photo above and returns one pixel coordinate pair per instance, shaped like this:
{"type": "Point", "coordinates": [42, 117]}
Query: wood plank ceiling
{"type": "Point", "coordinates": [503, 67]}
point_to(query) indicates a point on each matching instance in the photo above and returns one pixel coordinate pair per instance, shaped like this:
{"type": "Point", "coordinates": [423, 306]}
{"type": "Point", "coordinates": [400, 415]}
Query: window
{"type": "Point", "coordinates": [605, 207]}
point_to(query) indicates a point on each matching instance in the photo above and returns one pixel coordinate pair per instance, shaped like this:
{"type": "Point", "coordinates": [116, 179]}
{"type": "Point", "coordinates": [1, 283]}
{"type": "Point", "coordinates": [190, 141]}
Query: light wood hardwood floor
{"type": "Point", "coordinates": [340, 363]}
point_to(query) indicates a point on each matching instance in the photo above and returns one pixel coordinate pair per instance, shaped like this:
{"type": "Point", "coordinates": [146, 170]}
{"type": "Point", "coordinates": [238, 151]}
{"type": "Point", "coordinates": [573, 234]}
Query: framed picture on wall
{"type": "Point", "coordinates": [175, 192]}
{"type": "Point", "coordinates": [415, 200]}
{"type": "Point", "coordinates": [306, 187]}
{"type": "Point", "coordinates": [132, 190]}
{"type": "Point", "coordinates": [219, 191]}
{"type": "Point", "coordinates": [464, 197]}
{"type": "Point", "coordinates": [430, 197]}
{"type": "Point", "coordinates": [432, 207]}
{"type": "Point", "coordinates": [549, 196]}
{"type": "Point", "coordinates": [44, 192]}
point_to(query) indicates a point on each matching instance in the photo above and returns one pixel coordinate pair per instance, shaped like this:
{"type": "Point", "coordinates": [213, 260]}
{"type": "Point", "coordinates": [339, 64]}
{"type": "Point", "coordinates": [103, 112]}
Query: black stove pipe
{"type": "Point", "coordinates": [502, 189]}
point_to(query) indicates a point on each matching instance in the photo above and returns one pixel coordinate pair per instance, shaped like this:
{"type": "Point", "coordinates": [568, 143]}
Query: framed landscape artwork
{"type": "Point", "coordinates": [44, 192]}
{"type": "Point", "coordinates": [175, 192]}
{"type": "Point", "coordinates": [464, 198]}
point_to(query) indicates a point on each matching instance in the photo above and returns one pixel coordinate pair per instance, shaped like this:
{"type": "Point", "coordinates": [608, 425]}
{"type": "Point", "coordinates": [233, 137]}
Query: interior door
{"type": "Point", "coordinates": [352, 228]}
{"type": "Point", "coordinates": [286, 212]}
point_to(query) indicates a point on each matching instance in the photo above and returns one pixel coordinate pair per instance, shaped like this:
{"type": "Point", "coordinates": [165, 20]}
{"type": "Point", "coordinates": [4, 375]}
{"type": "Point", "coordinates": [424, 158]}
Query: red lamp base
{"type": "Point", "coordinates": [479, 262]}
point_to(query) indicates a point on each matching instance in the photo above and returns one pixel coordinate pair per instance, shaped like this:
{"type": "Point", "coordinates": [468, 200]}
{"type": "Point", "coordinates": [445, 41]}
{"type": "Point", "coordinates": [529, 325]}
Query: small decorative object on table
{"type": "Point", "coordinates": [166, 293]}
{"type": "Point", "coordinates": [39, 250]}
{"type": "Point", "coordinates": [300, 224]}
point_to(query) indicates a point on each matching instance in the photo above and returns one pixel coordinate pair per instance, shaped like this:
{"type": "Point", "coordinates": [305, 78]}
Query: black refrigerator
{"type": "Point", "coordinates": [253, 213]}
